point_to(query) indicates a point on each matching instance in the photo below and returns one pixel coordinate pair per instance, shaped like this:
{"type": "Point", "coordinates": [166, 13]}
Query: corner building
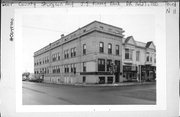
{"type": "Point", "coordinates": [88, 54]}
{"type": "Point", "coordinates": [83, 56]}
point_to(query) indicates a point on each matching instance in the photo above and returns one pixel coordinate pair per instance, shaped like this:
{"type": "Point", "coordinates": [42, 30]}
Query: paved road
{"type": "Point", "coordinates": [53, 94]}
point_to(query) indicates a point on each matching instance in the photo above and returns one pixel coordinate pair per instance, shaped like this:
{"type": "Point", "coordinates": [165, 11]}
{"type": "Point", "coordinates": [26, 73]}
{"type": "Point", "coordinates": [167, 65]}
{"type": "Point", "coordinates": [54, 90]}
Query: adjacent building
{"type": "Point", "coordinates": [95, 53]}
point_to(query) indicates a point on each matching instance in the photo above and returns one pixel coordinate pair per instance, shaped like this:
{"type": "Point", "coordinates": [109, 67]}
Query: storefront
{"type": "Point", "coordinates": [148, 72]}
{"type": "Point", "coordinates": [130, 72]}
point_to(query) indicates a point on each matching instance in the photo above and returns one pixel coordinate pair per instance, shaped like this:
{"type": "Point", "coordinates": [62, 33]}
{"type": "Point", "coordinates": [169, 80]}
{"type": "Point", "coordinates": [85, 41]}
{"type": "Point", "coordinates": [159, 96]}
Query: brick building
{"type": "Point", "coordinates": [95, 53]}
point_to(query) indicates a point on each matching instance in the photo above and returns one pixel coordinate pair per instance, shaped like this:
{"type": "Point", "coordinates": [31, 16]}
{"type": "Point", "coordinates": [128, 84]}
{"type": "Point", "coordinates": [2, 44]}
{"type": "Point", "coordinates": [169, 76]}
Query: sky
{"type": "Point", "coordinates": [43, 26]}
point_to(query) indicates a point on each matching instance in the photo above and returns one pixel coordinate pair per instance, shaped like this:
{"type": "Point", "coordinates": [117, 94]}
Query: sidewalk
{"type": "Point", "coordinates": [117, 84]}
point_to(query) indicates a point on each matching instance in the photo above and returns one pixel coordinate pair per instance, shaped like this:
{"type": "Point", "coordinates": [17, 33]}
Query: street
{"type": "Point", "coordinates": [54, 94]}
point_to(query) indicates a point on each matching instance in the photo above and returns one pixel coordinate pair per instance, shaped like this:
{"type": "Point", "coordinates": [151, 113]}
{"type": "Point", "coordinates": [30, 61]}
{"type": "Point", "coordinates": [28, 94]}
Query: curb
{"type": "Point", "coordinates": [114, 85]}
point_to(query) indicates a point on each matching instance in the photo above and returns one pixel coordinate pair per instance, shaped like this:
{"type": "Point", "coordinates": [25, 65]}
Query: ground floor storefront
{"type": "Point", "coordinates": [130, 73]}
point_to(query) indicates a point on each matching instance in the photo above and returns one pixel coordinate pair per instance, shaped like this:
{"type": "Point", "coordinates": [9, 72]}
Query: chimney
{"type": "Point", "coordinates": [62, 35]}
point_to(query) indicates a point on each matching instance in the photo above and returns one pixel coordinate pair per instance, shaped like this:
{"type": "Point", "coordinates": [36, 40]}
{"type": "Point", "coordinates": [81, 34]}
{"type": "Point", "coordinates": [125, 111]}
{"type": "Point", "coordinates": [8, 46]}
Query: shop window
{"type": "Point", "coordinates": [109, 62]}
{"type": "Point", "coordinates": [109, 48]}
{"type": "Point", "coordinates": [101, 47]}
{"type": "Point", "coordinates": [101, 64]}
{"type": "Point", "coordinates": [109, 80]}
{"type": "Point", "coordinates": [101, 80]}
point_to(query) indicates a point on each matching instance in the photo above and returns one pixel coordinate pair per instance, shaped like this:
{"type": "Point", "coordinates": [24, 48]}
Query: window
{"type": "Point", "coordinates": [151, 59]}
{"type": "Point", "coordinates": [84, 67]}
{"type": "Point", "coordinates": [67, 54]}
{"type": "Point", "coordinates": [101, 47]}
{"type": "Point", "coordinates": [71, 67]}
{"type": "Point", "coordinates": [64, 68]}
{"type": "Point", "coordinates": [74, 66]}
{"type": "Point", "coordinates": [55, 57]}
{"type": "Point", "coordinates": [58, 69]}
{"type": "Point", "coordinates": [67, 68]}
{"type": "Point", "coordinates": [84, 79]}
{"type": "Point", "coordinates": [53, 69]}
{"type": "Point", "coordinates": [109, 62]}
{"type": "Point", "coordinates": [84, 49]}
{"type": "Point", "coordinates": [137, 55]}
{"type": "Point", "coordinates": [109, 48]}
{"type": "Point", "coordinates": [128, 54]}
{"type": "Point", "coordinates": [117, 49]}
{"type": "Point", "coordinates": [101, 64]}
{"type": "Point", "coordinates": [101, 27]}
{"type": "Point", "coordinates": [47, 59]}
{"type": "Point", "coordinates": [74, 51]}
{"type": "Point", "coordinates": [147, 56]}
{"type": "Point", "coordinates": [58, 56]}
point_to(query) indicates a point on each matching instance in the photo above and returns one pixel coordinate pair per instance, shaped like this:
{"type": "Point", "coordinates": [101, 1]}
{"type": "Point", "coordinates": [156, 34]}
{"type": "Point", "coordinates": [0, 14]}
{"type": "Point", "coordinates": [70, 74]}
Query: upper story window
{"type": "Point", "coordinates": [101, 64]}
{"type": "Point", "coordinates": [66, 68]}
{"type": "Point", "coordinates": [84, 49]}
{"type": "Point", "coordinates": [101, 27]}
{"type": "Point", "coordinates": [117, 49]}
{"type": "Point", "coordinates": [72, 51]}
{"type": "Point", "coordinates": [66, 54]}
{"type": "Point", "coordinates": [71, 66]}
{"type": "Point", "coordinates": [84, 67]}
{"type": "Point", "coordinates": [128, 53]}
{"type": "Point", "coordinates": [74, 66]}
{"type": "Point", "coordinates": [147, 56]}
{"type": "Point", "coordinates": [53, 58]}
{"type": "Point", "coordinates": [101, 47]}
{"type": "Point", "coordinates": [58, 69]}
{"type": "Point", "coordinates": [109, 48]}
{"type": "Point", "coordinates": [137, 55]}
{"type": "Point", "coordinates": [58, 56]}
{"type": "Point", "coordinates": [150, 58]}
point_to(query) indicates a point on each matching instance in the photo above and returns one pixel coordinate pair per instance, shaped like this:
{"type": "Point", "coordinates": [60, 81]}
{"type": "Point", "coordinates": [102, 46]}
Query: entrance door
{"type": "Point", "coordinates": [116, 77]}
{"type": "Point", "coordinates": [117, 63]}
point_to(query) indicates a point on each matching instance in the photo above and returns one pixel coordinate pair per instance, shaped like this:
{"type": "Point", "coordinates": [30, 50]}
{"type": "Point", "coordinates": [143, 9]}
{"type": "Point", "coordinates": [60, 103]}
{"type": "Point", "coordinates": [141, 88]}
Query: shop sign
{"type": "Point", "coordinates": [129, 68]}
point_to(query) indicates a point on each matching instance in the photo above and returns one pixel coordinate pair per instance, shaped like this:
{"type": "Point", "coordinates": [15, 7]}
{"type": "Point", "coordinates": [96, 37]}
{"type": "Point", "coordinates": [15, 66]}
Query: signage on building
{"type": "Point", "coordinates": [129, 68]}
{"type": "Point", "coordinates": [148, 68]}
